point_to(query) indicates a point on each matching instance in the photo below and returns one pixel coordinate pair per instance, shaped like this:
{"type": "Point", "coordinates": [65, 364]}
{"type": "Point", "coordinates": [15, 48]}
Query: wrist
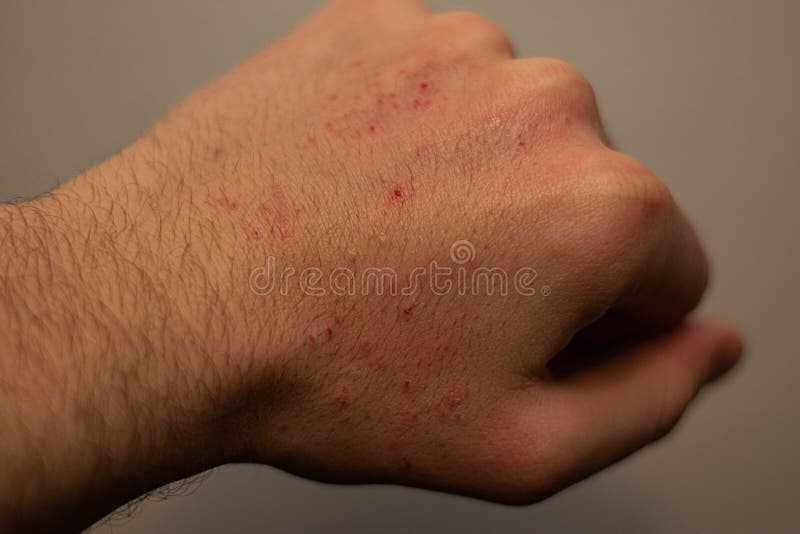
{"type": "Point", "coordinates": [108, 389]}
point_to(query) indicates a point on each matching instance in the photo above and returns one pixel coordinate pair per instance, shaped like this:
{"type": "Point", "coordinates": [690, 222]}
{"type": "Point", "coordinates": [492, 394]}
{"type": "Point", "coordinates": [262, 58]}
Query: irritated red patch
{"type": "Point", "coordinates": [451, 401]}
{"type": "Point", "coordinates": [277, 212]}
{"type": "Point", "coordinates": [222, 201]}
{"type": "Point", "coordinates": [343, 398]}
{"type": "Point", "coordinates": [364, 345]}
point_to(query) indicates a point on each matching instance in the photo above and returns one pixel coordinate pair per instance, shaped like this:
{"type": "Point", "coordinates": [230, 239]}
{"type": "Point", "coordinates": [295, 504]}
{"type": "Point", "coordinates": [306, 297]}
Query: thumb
{"type": "Point", "coordinates": [617, 407]}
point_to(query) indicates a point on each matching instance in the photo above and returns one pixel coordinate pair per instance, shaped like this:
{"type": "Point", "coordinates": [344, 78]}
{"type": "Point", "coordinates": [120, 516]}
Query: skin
{"type": "Point", "coordinates": [133, 351]}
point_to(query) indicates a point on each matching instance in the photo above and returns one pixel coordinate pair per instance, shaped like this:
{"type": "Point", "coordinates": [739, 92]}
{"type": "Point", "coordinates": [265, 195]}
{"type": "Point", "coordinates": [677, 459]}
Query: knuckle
{"type": "Point", "coordinates": [619, 208]}
{"type": "Point", "coordinates": [554, 86]}
{"type": "Point", "coordinates": [380, 7]}
{"type": "Point", "coordinates": [468, 26]}
{"type": "Point", "coordinates": [462, 21]}
{"type": "Point", "coordinates": [562, 72]}
{"type": "Point", "coordinates": [640, 189]}
{"type": "Point", "coordinates": [411, 5]}
{"type": "Point", "coordinates": [551, 71]}
{"type": "Point", "coordinates": [631, 193]}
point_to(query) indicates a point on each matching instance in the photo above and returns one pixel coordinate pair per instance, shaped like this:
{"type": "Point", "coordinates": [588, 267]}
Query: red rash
{"type": "Point", "coordinates": [343, 399]}
{"type": "Point", "coordinates": [420, 96]}
{"type": "Point", "coordinates": [451, 401]}
{"type": "Point", "coordinates": [280, 211]}
{"type": "Point", "coordinates": [223, 202]}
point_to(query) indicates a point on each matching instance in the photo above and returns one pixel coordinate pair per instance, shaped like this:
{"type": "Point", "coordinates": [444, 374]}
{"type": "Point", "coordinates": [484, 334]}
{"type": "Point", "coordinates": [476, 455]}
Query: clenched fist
{"type": "Point", "coordinates": [380, 250]}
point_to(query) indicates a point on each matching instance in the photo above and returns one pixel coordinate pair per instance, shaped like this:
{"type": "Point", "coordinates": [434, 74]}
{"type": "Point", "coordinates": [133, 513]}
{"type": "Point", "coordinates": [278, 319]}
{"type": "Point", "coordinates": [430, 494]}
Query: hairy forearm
{"type": "Point", "coordinates": [97, 403]}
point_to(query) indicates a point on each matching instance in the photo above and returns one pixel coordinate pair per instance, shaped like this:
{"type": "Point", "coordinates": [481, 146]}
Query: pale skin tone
{"type": "Point", "coordinates": [133, 351]}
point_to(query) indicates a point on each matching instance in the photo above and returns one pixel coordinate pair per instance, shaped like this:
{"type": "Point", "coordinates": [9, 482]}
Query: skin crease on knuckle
{"type": "Point", "coordinates": [350, 145]}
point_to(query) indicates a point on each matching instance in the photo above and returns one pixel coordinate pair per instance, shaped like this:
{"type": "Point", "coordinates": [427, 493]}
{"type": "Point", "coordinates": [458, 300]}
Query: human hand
{"type": "Point", "coordinates": [378, 135]}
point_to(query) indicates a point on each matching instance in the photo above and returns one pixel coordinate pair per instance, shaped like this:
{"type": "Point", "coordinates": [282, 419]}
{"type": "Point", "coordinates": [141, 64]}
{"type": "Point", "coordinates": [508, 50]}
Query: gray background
{"type": "Point", "coordinates": [705, 92]}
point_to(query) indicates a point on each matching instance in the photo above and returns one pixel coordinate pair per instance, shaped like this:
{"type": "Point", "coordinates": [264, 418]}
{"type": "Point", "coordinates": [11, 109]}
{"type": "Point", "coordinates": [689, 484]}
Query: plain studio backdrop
{"type": "Point", "coordinates": [705, 92]}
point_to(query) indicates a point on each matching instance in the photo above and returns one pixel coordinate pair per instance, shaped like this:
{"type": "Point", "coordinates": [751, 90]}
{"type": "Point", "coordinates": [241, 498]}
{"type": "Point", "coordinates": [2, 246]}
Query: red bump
{"type": "Point", "coordinates": [451, 401]}
{"type": "Point", "coordinates": [224, 202]}
{"type": "Point", "coordinates": [329, 332]}
{"type": "Point", "coordinates": [311, 339]}
{"type": "Point", "coordinates": [423, 86]}
{"type": "Point", "coordinates": [255, 233]}
{"type": "Point", "coordinates": [343, 398]}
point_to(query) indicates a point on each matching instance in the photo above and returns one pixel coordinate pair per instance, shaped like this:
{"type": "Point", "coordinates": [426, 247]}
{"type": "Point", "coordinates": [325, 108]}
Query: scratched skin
{"type": "Point", "coordinates": [376, 135]}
